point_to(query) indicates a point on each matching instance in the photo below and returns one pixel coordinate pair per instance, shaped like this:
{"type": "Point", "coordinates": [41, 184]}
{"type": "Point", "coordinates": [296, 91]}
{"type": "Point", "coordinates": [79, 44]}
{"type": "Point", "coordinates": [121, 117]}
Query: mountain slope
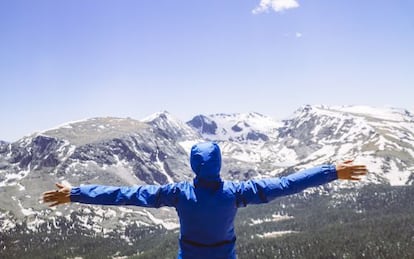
{"type": "Point", "coordinates": [155, 150]}
{"type": "Point", "coordinates": [384, 139]}
{"type": "Point", "coordinates": [108, 151]}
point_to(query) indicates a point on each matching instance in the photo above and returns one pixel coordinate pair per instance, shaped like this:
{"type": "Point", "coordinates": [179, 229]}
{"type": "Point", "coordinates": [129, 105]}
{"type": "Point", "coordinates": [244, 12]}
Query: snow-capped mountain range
{"type": "Point", "coordinates": [155, 150]}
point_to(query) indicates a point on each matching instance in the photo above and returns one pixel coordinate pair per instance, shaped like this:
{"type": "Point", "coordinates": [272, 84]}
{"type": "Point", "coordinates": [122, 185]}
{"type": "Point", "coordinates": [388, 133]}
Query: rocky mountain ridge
{"type": "Point", "coordinates": [116, 151]}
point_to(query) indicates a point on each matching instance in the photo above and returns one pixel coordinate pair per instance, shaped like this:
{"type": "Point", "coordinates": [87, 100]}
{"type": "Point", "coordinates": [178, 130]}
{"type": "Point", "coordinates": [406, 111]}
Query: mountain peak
{"type": "Point", "coordinates": [164, 115]}
{"type": "Point", "coordinates": [241, 127]}
{"type": "Point", "coordinates": [203, 124]}
{"type": "Point", "coordinates": [95, 129]}
{"type": "Point", "coordinates": [171, 125]}
{"type": "Point", "coordinates": [360, 111]}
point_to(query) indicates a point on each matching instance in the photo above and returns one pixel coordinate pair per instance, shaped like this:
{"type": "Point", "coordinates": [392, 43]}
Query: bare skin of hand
{"type": "Point", "coordinates": [348, 171]}
{"type": "Point", "coordinates": [57, 197]}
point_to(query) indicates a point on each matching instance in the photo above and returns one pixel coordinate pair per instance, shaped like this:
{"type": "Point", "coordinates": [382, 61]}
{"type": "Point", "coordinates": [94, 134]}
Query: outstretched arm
{"type": "Point", "coordinates": [145, 195]}
{"type": "Point", "coordinates": [265, 190]}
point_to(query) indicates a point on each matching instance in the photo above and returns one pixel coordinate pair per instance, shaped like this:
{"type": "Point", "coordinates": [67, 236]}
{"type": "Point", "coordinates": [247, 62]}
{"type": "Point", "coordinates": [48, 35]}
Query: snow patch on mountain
{"type": "Point", "coordinates": [6, 222]}
{"type": "Point", "coordinates": [389, 114]}
{"type": "Point", "coordinates": [240, 127]}
{"type": "Point", "coordinates": [13, 178]}
{"type": "Point", "coordinates": [402, 178]}
{"type": "Point", "coordinates": [238, 152]}
{"type": "Point", "coordinates": [275, 234]}
{"type": "Point", "coordinates": [25, 211]}
{"type": "Point", "coordinates": [187, 145]}
{"type": "Point", "coordinates": [167, 224]}
{"type": "Point", "coordinates": [274, 218]}
{"type": "Point", "coordinates": [161, 167]}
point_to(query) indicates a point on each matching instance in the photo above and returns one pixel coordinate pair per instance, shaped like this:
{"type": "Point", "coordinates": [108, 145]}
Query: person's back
{"type": "Point", "coordinates": [207, 222]}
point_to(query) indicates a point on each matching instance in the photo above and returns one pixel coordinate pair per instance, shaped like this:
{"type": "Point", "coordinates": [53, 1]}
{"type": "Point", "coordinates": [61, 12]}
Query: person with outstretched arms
{"type": "Point", "coordinates": [207, 206]}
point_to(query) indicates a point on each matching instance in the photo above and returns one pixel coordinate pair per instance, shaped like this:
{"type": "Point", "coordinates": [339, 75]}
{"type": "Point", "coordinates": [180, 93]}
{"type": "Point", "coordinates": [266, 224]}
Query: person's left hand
{"type": "Point", "coordinates": [349, 171]}
{"type": "Point", "coordinates": [59, 196]}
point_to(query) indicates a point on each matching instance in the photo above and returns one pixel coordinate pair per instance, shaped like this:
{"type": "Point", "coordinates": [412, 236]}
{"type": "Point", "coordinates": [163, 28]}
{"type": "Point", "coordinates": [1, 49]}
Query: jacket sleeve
{"type": "Point", "coordinates": [154, 196]}
{"type": "Point", "coordinates": [265, 190]}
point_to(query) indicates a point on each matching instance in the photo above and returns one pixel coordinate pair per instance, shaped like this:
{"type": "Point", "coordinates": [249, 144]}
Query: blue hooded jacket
{"type": "Point", "coordinates": [207, 207]}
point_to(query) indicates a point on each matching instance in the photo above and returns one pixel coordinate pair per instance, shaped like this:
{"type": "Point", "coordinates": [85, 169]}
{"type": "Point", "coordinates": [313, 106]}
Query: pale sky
{"type": "Point", "coordinates": [65, 60]}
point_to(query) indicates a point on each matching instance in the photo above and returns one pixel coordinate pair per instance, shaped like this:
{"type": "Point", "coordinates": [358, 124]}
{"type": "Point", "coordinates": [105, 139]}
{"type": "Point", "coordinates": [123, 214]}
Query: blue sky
{"type": "Point", "coordinates": [64, 60]}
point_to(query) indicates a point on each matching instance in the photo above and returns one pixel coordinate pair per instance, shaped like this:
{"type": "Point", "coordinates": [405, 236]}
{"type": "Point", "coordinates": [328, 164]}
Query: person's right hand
{"type": "Point", "coordinates": [59, 196]}
{"type": "Point", "coordinates": [348, 171]}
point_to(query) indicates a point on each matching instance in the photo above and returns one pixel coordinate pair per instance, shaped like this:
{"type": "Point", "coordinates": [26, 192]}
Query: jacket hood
{"type": "Point", "coordinates": [205, 161]}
